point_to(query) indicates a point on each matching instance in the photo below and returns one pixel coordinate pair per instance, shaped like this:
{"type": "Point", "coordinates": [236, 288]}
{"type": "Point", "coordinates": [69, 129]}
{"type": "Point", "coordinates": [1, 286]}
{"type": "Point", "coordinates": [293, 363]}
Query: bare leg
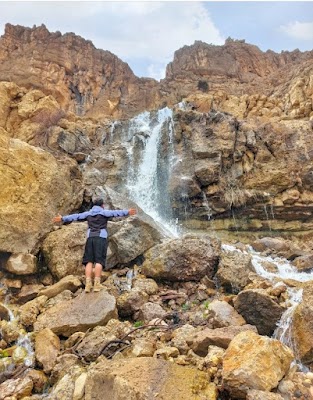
{"type": "Point", "coordinates": [98, 270]}
{"type": "Point", "coordinates": [88, 274]}
{"type": "Point", "coordinates": [88, 270]}
{"type": "Point", "coordinates": [97, 286]}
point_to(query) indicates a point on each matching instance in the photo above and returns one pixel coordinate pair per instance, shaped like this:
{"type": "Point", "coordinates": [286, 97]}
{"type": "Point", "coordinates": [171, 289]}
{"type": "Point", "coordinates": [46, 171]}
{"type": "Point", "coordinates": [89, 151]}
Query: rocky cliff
{"type": "Point", "coordinates": [236, 76]}
{"type": "Point", "coordinates": [80, 77]}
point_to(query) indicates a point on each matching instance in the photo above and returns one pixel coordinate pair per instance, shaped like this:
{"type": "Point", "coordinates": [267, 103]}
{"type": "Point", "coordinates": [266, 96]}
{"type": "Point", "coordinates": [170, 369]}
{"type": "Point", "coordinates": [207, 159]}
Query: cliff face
{"type": "Point", "coordinates": [94, 82]}
{"type": "Point", "coordinates": [237, 66]}
{"type": "Point", "coordinates": [82, 78]}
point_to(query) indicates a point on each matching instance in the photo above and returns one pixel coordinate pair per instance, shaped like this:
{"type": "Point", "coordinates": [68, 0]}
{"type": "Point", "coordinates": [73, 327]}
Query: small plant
{"type": "Point", "coordinates": [138, 324]}
{"type": "Point", "coordinates": [206, 304]}
{"type": "Point", "coordinates": [185, 306]}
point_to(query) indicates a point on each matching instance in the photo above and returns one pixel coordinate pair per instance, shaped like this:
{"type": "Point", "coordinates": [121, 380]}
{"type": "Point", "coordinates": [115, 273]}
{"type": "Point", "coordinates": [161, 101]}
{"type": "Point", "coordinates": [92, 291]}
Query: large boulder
{"type": "Point", "coordinates": [185, 259]}
{"type": "Point", "coordinates": [79, 314]}
{"type": "Point", "coordinates": [147, 378]}
{"type": "Point", "coordinates": [302, 326]}
{"type": "Point", "coordinates": [254, 362]}
{"type": "Point", "coordinates": [221, 337]}
{"type": "Point", "coordinates": [47, 347]}
{"type": "Point", "coordinates": [260, 309]}
{"type": "Point", "coordinates": [63, 250]}
{"type": "Point", "coordinates": [34, 188]}
{"type": "Point", "coordinates": [233, 270]}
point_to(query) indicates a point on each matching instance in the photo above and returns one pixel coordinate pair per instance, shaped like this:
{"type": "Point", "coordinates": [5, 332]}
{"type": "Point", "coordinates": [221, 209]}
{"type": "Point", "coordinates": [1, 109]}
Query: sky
{"type": "Point", "coordinates": [145, 34]}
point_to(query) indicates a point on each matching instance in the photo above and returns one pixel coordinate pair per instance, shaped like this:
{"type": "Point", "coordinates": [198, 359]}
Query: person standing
{"type": "Point", "coordinates": [96, 244]}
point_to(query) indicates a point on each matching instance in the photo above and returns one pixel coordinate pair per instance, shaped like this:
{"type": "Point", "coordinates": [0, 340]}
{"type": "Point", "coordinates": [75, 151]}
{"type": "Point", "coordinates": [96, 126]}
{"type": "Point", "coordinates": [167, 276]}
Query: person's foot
{"type": "Point", "coordinates": [88, 285]}
{"type": "Point", "coordinates": [97, 286]}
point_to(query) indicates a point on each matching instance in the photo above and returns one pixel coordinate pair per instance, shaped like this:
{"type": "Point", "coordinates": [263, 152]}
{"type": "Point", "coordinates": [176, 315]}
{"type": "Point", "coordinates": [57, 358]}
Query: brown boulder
{"type": "Point", "coordinates": [186, 259]}
{"type": "Point", "coordinates": [146, 377]}
{"type": "Point", "coordinates": [32, 193]}
{"type": "Point", "coordinates": [79, 314]}
{"type": "Point", "coordinates": [254, 362]}
{"type": "Point", "coordinates": [259, 309]}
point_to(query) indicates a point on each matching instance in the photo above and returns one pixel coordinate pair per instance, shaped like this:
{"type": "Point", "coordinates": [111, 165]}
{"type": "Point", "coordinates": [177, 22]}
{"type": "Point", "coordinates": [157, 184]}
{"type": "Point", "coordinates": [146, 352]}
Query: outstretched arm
{"type": "Point", "coordinates": [71, 217]}
{"type": "Point", "coordinates": [119, 213]}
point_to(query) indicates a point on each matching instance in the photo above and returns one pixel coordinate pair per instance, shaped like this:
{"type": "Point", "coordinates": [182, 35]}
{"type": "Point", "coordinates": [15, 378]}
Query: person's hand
{"type": "Point", "coordinates": [132, 211]}
{"type": "Point", "coordinates": [58, 218]}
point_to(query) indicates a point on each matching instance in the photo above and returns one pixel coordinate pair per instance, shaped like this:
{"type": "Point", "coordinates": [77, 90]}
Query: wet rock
{"type": "Point", "coordinates": [302, 327]}
{"type": "Point", "coordinates": [254, 362]}
{"type": "Point", "coordinates": [79, 314]}
{"type": "Point", "coordinates": [259, 309]}
{"type": "Point", "coordinates": [277, 246]}
{"type": "Point", "coordinates": [303, 263]}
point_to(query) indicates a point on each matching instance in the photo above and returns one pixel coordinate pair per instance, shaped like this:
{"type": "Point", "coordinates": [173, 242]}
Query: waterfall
{"type": "Point", "coordinates": [24, 351]}
{"type": "Point", "coordinates": [285, 270]}
{"type": "Point", "coordinates": [150, 149]}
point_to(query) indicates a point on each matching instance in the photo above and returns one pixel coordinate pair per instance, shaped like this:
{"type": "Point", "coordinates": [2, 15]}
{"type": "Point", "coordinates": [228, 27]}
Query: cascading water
{"type": "Point", "coordinates": [151, 158]}
{"type": "Point", "coordinates": [284, 271]}
{"type": "Point", "coordinates": [23, 352]}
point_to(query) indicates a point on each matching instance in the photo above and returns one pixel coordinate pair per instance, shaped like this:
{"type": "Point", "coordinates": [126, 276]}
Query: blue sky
{"type": "Point", "coordinates": [146, 34]}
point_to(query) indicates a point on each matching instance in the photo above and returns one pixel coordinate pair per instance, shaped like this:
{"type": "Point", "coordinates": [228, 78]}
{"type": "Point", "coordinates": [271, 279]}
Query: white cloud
{"type": "Point", "coordinates": [131, 30]}
{"type": "Point", "coordinates": [298, 30]}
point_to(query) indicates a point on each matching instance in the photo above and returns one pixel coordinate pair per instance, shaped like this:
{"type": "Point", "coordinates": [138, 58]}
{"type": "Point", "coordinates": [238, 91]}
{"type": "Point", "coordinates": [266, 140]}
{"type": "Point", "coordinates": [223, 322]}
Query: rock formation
{"type": "Point", "coordinates": [178, 317]}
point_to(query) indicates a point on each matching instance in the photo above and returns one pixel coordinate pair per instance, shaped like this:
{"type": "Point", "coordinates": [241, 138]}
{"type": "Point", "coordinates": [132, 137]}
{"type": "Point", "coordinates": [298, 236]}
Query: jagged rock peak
{"type": "Point", "coordinates": [234, 59]}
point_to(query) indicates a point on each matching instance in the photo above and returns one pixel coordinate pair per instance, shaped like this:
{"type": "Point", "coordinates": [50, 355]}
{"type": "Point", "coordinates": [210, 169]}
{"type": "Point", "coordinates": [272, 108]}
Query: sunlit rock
{"type": "Point", "coordinates": [302, 326]}
{"type": "Point", "coordinates": [220, 337]}
{"type": "Point", "coordinates": [47, 347]}
{"type": "Point", "coordinates": [254, 362]}
{"type": "Point", "coordinates": [186, 259]}
{"type": "Point", "coordinates": [79, 314]}
{"type": "Point", "coordinates": [32, 179]}
{"type": "Point", "coordinates": [22, 264]}
{"type": "Point", "coordinates": [223, 314]}
{"type": "Point", "coordinates": [137, 378]}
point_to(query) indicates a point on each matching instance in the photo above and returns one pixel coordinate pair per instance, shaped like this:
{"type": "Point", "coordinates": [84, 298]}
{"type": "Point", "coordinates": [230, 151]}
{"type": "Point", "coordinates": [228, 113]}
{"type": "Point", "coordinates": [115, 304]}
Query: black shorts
{"type": "Point", "coordinates": [95, 250]}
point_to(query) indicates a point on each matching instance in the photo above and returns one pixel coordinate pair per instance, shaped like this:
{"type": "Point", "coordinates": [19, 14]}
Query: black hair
{"type": "Point", "coordinates": [98, 202]}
